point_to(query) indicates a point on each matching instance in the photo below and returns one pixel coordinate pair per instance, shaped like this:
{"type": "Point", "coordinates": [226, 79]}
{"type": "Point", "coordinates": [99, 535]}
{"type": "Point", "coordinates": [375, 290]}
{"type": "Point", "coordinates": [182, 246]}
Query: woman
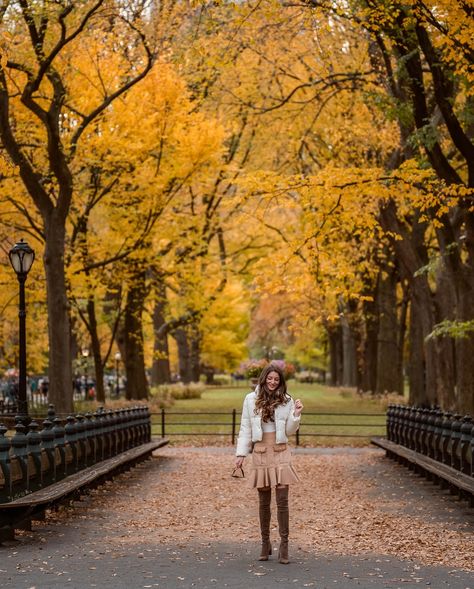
{"type": "Point", "coordinates": [269, 416]}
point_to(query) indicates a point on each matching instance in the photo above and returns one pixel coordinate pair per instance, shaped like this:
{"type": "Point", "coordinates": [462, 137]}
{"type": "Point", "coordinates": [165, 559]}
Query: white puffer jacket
{"type": "Point", "coordinates": [251, 431]}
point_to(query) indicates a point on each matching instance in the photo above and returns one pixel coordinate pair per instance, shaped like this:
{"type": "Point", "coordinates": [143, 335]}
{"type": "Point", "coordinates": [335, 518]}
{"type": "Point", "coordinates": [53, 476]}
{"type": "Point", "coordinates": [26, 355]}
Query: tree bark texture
{"type": "Point", "coordinates": [44, 93]}
{"type": "Point", "coordinates": [137, 384]}
{"type": "Point", "coordinates": [440, 370]}
{"type": "Point", "coordinates": [335, 355]}
{"type": "Point", "coordinates": [160, 371]}
{"type": "Point", "coordinates": [369, 349]}
{"type": "Point", "coordinates": [96, 351]}
{"type": "Point", "coordinates": [60, 366]}
{"type": "Point", "coordinates": [349, 348]}
{"type": "Point", "coordinates": [416, 360]}
{"type": "Point", "coordinates": [412, 257]}
{"type": "Point", "coordinates": [388, 376]}
{"type": "Point", "coordinates": [188, 342]}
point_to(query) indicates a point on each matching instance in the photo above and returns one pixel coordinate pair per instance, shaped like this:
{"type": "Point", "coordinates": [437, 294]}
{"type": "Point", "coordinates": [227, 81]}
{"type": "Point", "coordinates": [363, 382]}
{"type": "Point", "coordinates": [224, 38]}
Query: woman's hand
{"type": "Point", "coordinates": [239, 461]}
{"type": "Point", "coordinates": [298, 408]}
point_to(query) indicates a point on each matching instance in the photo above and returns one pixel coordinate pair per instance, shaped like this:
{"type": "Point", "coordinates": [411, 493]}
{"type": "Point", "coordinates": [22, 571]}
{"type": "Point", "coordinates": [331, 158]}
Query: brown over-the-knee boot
{"type": "Point", "coordinates": [283, 522]}
{"type": "Point", "coordinates": [264, 512]}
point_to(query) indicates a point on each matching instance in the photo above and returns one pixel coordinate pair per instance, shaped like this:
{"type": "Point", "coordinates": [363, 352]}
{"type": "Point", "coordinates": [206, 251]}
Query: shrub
{"type": "Point", "coordinates": [160, 397]}
{"type": "Point", "coordinates": [154, 403]}
{"type": "Point", "coordinates": [192, 390]}
{"type": "Point", "coordinates": [222, 379]}
{"type": "Point", "coordinates": [309, 376]}
{"type": "Point", "coordinates": [287, 368]}
{"type": "Point", "coordinates": [253, 368]}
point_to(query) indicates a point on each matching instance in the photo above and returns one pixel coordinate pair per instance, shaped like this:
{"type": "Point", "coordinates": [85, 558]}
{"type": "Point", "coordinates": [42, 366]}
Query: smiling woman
{"type": "Point", "coordinates": [269, 416]}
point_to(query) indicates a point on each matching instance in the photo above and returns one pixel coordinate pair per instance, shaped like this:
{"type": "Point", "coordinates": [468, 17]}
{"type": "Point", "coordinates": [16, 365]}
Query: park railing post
{"type": "Point", "coordinates": [71, 444]}
{"type": "Point", "coordinates": [390, 422]}
{"type": "Point", "coordinates": [438, 437]}
{"type": "Point", "coordinates": [417, 430]}
{"type": "Point", "coordinates": [106, 432]}
{"type": "Point", "coordinates": [455, 441]}
{"type": "Point", "coordinates": [396, 424]}
{"type": "Point", "coordinates": [47, 453]}
{"type": "Point", "coordinates": [114, 437]}
{"type": "Point", "coordinates": [89, 439]}
{"type": "Point", "coordinates": [19, 458]}
{"type": "Point", "coordinates": [34, 457]}
{"type": "Point", "coordinates": [445, 437]}
{"type": "Point", "coordinates": [233, 426]}
{"type": "Point", "coordinates": [59, 447]}
{"type": "Point", "coordinates": [411, 427]}
{"type": "Point", "coordinates": [430, 430]}
{"type": "Point", "coordinates": [81, 441]}
{"type": "Point", "coordinates": [405, 430]}
{"type": "Point", "coordinates": [423, 432]}
{"type": "Point", "coordinates": [5, 490]}
{"type": "Point", "coordinates": [471, 452]}
{"type": "Point", "coordinates": [121, 433]}
{"type": "Point", "coordinates": [465, 445]}
{"type": "Point", "coordinates": [163, 423]}
{"type": "Point", "coordinates": [396, 430]}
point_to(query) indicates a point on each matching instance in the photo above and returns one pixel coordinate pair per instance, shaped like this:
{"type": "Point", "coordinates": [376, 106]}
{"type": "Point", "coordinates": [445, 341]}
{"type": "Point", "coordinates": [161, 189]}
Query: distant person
{"type": "Point", "coordinates": [44, 387]}
{"type": "Point", "coordinates": [33, 386]}
{"type": "Point", "coordinates": [269, 416]}
{"type": "Point", "coordinates": [77, 386]}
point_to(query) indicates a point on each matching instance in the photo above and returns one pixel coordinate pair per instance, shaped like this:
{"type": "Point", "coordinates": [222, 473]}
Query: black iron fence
{"type": "Point", "coordinates": [226, 424]}
{"type": "Point", "coordinates": [40, 455]}
{"type": "Point", "coordinates": [442, 436]}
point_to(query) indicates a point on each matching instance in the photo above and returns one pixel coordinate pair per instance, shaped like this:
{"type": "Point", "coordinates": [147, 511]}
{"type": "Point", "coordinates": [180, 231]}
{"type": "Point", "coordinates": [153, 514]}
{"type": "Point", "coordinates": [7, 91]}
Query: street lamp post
{"type": "Point", "coordinates": [21, 258]}
{"type": "Point", "coordinates": [118, 357]}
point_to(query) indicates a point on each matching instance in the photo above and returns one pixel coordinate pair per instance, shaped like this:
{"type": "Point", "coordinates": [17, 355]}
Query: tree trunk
{"type": "Point", "coordinates": [465, 359]}
{"type": "Point", "coordinates": [445, 307]}
{"type": "Point", "coordinates": [412, 257]}
{"type": "Point", "coordinates": [369, 349]}
{"type": "Point", "coordinates": [422, 305]}
{"type": "Point", "coordinates": [349, 348]}
{"type": "Point", "coordinates": [96, 351]}
{"type": "Point", "coordinates": [137, 384]}
{"type": "Point", "coordinates": [335, 355]}
{"type": "Point", "coordinates": [189, 349]}
{"type": "Point", "coordinates": [349, 357]}
{"type": "Point", "coordinates": [465, 346]}
{"type": "Point", "coordinates": [388, 376]}
{"type": "Point", "coordinates": [195, 355]}
{"type": "Point", "coordinates": [416, 359]}
{"type": "Point", "coordinates": [184, 355]}
{"type": "Point", "coordinates": [160, 371]}
{"type": "Point", "coordinates": [60, 367]}
{"type": "Point", "coordinates": [402, 329]}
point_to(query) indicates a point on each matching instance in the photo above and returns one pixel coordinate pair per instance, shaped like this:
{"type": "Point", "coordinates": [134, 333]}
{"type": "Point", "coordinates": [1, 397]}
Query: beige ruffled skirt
{"type": "Point", "coordinates": [271, 463]}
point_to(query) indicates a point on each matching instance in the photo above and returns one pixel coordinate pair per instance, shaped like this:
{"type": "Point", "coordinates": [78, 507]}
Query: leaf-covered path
{"type": "Point", "coordinates": [180, 521]}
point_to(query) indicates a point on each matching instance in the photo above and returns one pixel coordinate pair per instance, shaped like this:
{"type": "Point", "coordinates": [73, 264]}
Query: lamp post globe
{"type": "Point", "coordinates": [21, 258]}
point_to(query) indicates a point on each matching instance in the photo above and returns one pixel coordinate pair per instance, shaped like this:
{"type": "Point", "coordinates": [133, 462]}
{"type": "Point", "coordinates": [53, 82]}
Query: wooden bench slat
{"type": "Point", "coordinates": [453, 476]}
{"type": "Point", "coordinates": [75, 481]}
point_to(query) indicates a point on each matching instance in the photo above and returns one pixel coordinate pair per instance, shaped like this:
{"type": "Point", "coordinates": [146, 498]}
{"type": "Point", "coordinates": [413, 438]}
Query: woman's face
{"type": "Point", "coordinates": [272, 381]}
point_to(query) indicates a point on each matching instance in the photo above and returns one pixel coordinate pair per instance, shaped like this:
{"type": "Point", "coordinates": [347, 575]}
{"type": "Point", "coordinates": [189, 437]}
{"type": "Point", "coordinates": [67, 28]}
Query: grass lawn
{"type": "Point", "coordinates": [323, 409]}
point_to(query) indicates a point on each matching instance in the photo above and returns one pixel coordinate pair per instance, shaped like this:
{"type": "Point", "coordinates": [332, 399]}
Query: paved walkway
{"type": "Point", "coordinates": [180, 521]}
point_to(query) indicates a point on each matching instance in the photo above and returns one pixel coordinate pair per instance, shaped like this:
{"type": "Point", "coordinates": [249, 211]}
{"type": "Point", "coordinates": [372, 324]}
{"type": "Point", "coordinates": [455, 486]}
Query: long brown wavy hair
{"type": "Point", "coordinates": [267, 400]}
